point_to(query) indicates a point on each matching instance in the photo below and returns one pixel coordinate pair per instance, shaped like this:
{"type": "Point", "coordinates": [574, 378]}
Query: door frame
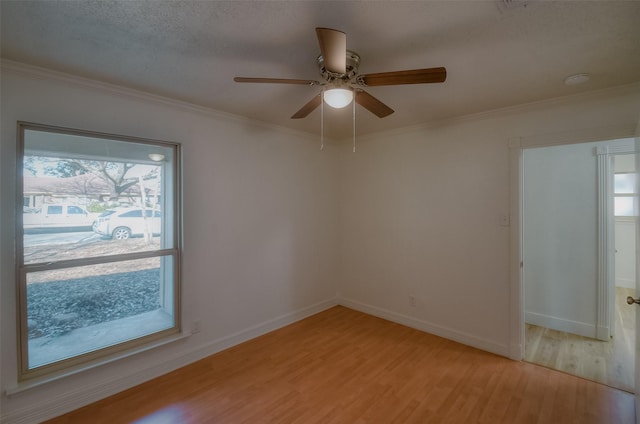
{"type": "Point", "coordinates": [606, 230]}
{"type": "Point", "coordinates": [517, 145]}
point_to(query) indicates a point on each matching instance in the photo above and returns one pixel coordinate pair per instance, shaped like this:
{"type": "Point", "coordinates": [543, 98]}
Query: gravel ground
{"type": "Point", "coordinates": [62, 306]}
{"type": "Point", "coordinates": [63, 300]}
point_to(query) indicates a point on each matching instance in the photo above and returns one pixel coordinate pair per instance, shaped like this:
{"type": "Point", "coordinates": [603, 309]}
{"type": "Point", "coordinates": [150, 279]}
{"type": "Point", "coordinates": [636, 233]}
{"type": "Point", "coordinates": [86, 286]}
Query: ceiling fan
{"type": "Point", "coordinates": [342, 82]}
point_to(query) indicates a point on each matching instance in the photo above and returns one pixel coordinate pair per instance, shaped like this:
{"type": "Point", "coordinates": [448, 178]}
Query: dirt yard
{"type": "Point", "coordinates": [61, 300]}
{"type": "Point", "coordinates": [101, 247]}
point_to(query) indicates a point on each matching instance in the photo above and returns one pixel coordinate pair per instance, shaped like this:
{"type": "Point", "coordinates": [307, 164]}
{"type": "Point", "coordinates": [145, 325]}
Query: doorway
{"type": "Point", "coordinates": [575, 315]}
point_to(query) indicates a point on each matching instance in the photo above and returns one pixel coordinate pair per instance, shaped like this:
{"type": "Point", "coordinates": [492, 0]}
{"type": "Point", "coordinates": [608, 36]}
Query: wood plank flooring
{"type": "Point", "coordinates": [343, 366]}
{"type": "Point", "coordinates": [611, 363]}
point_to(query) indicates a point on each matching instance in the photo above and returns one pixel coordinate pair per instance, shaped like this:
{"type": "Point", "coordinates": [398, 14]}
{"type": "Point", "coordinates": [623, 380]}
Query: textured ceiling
{"type": "Point", "coordinates": [495, 56]}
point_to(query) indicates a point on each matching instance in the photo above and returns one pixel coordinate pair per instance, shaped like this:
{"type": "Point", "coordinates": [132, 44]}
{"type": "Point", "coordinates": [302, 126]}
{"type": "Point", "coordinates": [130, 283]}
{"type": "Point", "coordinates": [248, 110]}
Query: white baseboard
{"type": "Point", "coordinates": [516, 352]}
{"type": "Point", "coordinates": [603, 333]}
{"type": "Point", "coordinates": [427, 327]}
{"type": "Point", "coordinates": [61, 403]}
{"type": "Point", "coordinates": [560, 324]}
{"type": "Point", "coordinates": [260, 329]}
{"type": "Point", "coordinates": [627, 283]}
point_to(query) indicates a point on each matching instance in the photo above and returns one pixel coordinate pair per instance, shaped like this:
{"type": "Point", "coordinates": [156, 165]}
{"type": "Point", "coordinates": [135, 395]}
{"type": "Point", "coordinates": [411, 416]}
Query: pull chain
{"type": "Point", "coordinates": [322, 120]}
{"type": "Point", "coordinates": [354, 121]}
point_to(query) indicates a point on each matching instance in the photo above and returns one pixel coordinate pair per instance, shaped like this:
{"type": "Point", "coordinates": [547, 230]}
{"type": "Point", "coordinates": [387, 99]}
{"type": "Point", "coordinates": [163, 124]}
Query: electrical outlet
{"type": "Point", "coordinates": [195, 326]}
{"type": "Point", "coordinates": [412, 301]}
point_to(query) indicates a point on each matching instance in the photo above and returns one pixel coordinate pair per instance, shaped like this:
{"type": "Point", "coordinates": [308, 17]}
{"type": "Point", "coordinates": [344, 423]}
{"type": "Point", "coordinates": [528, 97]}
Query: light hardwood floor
{"type": "Point", "coordinates": [343, 366]}
{"type": "Point", "coordinates": [611, 362]}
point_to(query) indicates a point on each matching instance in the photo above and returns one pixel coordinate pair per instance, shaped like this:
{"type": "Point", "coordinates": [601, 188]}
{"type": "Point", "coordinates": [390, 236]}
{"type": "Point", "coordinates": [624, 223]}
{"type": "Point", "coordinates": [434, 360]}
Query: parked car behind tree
{"type": "Point", "coordinates": [122, 223]}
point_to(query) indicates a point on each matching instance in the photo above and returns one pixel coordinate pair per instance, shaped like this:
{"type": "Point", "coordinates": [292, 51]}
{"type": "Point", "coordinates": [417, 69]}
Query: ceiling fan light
{"type": "Point", "coordinates": [338, 97]}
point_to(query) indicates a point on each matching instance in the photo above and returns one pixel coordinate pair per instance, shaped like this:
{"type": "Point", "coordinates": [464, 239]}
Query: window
{"type": "Point", "coordinates": [133, 214]}
{"type": "Point", "coordinates": [75, 210]}
{"type": "Point", "coordinates": [54, 210]}
{"type": "Point", "coordinates": [98, 246]}
{"type": "Point", "coordinates": [625, 194]}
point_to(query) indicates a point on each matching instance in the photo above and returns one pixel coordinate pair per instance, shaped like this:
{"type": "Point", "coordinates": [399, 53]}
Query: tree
{"type": "Point", "coordinates": [65, 169]}
{"type": "Point", "coordinates": [114, 174]}
{"type": "Point", "coordinates": [29, 164]}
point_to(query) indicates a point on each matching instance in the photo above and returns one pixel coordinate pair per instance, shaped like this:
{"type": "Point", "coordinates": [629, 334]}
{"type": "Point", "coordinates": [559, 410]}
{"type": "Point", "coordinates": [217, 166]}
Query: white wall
{"type": "Point", "coordinates": [259, 227]}
{"type": "Point", "coordinates": [625, 245]}
{"type": "Point", "coordinates": [421, 214]}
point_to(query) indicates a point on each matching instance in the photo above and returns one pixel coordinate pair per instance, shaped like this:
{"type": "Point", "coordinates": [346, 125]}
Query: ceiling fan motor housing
{"type": "Point", "coordinates": [353, 62]}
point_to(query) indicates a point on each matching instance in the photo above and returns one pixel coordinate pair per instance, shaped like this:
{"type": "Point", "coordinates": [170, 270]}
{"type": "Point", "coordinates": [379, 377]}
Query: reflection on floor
{"type": "Point", "coordinates": [610, 363]}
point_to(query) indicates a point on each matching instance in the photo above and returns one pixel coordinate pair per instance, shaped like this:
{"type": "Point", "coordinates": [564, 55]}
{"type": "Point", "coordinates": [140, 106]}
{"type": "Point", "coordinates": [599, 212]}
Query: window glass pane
{"type": "Point", "coordinates": [74, 206]}
{"type": "Point", "coordinates": [132, 214]}
{"type": "Point", "coordinates": [76, 310]}
{"type": "Point", "coordinates": [623, 206]}
{"type": "Point", "coordinates": [75, 210]}
{"type": "Point", "coordinates": [624, 183]}
{"type": "Point", "coordinates": [54, 210]}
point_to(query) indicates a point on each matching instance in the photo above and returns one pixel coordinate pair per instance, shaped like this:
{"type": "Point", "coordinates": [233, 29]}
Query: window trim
{"type": "Point", "coordinates": [122, 349]}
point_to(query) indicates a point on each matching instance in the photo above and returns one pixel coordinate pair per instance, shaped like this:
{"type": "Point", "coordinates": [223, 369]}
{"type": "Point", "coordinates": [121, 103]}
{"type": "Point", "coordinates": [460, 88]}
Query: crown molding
{"type": "Point", "coordinates": [33, 71]}
{"type": "Point", "coordinates": [619, 90]}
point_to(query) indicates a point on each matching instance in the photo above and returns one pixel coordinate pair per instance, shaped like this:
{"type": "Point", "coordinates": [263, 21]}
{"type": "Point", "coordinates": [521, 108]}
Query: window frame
{"type": "Point", "coordinates": [173, 254]}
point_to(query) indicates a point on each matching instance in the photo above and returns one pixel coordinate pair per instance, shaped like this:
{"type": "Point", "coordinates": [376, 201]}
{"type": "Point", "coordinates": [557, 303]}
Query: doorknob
{"type": "Point", "coordinates": [631, 300]}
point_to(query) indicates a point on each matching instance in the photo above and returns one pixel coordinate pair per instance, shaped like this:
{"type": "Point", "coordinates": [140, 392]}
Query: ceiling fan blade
{"type": "Point", "coordinates": [372, 104]}
{"type": "Point", "coordinates": [277, 81]}
{"type": "Point", "coordinates": [333, 46]}
{"type": "Point", "coordinates": [414, 76]}
{"type": "Point", "coordinates": [308, 108]}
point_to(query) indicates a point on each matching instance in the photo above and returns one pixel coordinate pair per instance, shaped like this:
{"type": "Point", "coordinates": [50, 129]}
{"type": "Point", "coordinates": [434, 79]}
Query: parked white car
{"type": "Point", "coordinates": [58, 216]}
{"type": "Point", "coordinates": [122, 223]}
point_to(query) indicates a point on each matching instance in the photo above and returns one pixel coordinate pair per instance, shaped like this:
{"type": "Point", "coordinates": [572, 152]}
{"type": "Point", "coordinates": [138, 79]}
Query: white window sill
{"type": "Point", "coordinates": [40, 381]}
